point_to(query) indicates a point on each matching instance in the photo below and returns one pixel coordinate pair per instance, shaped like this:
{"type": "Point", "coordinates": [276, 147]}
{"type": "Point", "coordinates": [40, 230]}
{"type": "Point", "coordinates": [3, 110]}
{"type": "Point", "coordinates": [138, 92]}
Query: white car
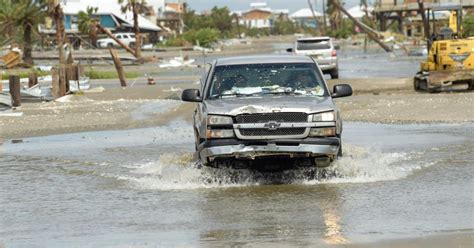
{"type": "Point", "coordinates": [127, 38]}
{"type": "Point", "coordinates": [320, 49]}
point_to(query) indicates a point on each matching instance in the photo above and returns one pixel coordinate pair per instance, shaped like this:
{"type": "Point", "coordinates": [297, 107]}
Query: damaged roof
{"type": "Point", "coordinates": [110, 7]}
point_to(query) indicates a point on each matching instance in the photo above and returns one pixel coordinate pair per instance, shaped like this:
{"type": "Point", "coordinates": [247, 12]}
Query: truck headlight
{"type": "Point", "coordinates": [220, 133]}
{"type": "Point", "coordinates": [327, 116]}
{"type": "Point", "coordinates": [219, 120]}
{"type": "Point", "coordinates": [322, 132]}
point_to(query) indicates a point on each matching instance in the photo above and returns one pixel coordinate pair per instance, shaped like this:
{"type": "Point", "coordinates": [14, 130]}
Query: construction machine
{"type": "Point", "coordinates": [450, 62]}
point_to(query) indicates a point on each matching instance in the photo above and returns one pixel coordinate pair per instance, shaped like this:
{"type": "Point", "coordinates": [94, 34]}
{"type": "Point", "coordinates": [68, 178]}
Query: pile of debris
{"type": "Point", "coordinates": [10, 57]}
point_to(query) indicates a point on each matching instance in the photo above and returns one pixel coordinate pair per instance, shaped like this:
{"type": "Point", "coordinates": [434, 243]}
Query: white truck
{"type": "Point", "coordinates": [127, 38]}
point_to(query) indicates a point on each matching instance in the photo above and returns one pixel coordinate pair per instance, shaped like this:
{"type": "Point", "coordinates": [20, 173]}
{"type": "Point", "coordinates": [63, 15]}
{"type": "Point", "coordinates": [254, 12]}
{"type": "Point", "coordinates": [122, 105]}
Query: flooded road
{"type": "Point", "coordinates": [140, 188]}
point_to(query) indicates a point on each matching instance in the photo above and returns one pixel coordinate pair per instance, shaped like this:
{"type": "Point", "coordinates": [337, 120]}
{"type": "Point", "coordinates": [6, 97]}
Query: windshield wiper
{"type": "Point", "coordinates": [233, 94]}
{"type": "Point", "coordinates": [279, 93]}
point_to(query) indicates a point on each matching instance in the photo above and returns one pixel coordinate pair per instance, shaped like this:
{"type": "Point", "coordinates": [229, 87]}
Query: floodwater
{"type": "Point", "coordinates": [140, 188]}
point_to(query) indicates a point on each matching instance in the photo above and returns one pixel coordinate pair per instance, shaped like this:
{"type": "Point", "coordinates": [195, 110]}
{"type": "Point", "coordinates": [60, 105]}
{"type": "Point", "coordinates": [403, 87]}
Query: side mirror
{"type": "Point", "coordinates": [337, 47]}
{"type": "Point", "coordinates": [341, 90]}
{"type": "Point", "coordinates": [191, 95]}
{"type": "Point", "coordinates": [290, 50]}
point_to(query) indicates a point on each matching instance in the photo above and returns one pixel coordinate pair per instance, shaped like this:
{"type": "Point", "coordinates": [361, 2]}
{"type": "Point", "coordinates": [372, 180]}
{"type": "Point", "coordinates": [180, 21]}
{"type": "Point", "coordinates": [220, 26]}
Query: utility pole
{"type": "Point", "coordinates": [180, 17]}
{"type": "Point", "coordinates": [426, 25]}
{"type": "Point", "coordinates": [312, 12]}
{"type": "Point", "coordinates": [324, 16]}
{"type": "Point", "coordinates": [362, 26]}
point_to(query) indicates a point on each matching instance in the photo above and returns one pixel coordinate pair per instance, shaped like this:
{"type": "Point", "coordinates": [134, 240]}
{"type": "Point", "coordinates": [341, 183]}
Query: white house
{"type": "Point", "coordinates": [260, 16]}
{"type": "Point", "coordinates": [304, 17]}
{"type": "Point", "coordinates": [359, 11]}
{"type": "Point", "coordinates": [109, 13]}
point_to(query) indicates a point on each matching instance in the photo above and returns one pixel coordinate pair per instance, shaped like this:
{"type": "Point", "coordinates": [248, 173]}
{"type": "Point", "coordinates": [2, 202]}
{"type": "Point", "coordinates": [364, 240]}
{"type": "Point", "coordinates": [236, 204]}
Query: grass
{"type": "Point", "coordinates": [22, 74]}
{"type": "Point", "coordinates": [93, 74]}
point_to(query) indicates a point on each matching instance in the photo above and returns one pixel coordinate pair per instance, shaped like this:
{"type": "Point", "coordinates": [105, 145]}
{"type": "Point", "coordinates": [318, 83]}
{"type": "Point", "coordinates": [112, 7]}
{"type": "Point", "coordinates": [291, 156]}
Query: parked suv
{"type": "Point", "coordinates": [127, 38]}
{"type": "Point", "coordinates": [322, 50]}
{"type": "Point", "coordinates": [266, 112]}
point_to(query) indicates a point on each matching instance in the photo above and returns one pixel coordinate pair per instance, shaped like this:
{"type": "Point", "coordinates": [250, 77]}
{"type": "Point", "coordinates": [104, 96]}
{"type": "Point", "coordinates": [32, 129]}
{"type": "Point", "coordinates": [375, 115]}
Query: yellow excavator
{"type": "Point", "coordinates": [450, 62]}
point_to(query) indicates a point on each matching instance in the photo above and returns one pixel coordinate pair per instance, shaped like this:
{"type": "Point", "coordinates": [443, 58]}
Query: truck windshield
{"type": "Point", "coordinates": [312, 44]}
{"type": "Point", "coordinates": [266, 79]}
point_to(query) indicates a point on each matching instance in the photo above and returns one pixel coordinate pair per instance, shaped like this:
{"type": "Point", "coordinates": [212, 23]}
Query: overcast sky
{"type": "Point", "coordinates": [234, 5]}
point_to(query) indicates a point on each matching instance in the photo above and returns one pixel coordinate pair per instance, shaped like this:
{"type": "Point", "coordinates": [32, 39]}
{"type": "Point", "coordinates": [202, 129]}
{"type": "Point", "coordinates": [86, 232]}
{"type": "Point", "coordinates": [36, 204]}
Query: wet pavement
{"type": "Point", "coordinates": [140, 188]}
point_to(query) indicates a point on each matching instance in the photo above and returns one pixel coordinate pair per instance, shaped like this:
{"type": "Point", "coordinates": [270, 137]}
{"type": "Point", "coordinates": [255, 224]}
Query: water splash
{"type": "Point", "coordinates": [360, 165]}
{"type": "Point", "coordinates": [364, 165]}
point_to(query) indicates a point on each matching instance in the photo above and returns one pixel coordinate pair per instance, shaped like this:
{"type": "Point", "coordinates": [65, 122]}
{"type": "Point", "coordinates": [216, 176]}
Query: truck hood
{"type": "Point", "coordinates": [268, 104]}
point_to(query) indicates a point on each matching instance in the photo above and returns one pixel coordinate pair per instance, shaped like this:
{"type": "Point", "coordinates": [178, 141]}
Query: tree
{"type": "Point", "coordinates": [335, 17]}
{"type": "Point", "coordinates": [136, 7]}
{"type": "Point", "coordinates": [7, 18]}
{"type": "Point", "coordinates": [368, 20]}
{"type": "Point", "coordinates": [221, 19]}
{"type": "Point", "coordinates": [55, 10]}
{"type": "Point", "coordinates": [87, 23]}
{"type": "Point", "coordinates": [283, 26]}
{"type": "Point", "coordinates": [205, 36]}
{"type": "Point", "coordinates": [28, 15]}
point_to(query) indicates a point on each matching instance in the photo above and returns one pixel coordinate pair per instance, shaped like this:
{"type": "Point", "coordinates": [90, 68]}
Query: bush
{"type": "Point", "coordinates": [205, 37]}
{"type": "Point", "coordinates": [283, 27]}
{"type": "Point", "coordinates": [174, 42]}
{"type": "Point", "coordinates": [257, 32]}
{"type": "Point", "coordinates": [345, 31]}
{"type": "Point", "coordinates": [93, 74]}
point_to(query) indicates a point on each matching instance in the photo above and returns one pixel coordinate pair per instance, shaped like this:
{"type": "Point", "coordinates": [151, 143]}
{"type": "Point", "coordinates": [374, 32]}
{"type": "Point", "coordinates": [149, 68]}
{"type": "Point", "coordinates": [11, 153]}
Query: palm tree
{"type": "Point", "coordinates": [28, 15]}
{"type": "Point", "coordinates": [55, 10]}
{"type": "Point", "coordinates": [7, 18]}
{"type": "Point", "coordinates": [137, 7]}
{"type": "Point", "coordinates": [335, 16]}
{"type": "Point", "coordinates": [365, 5]}
{"type": "Point", "coordinates": [88, 24]}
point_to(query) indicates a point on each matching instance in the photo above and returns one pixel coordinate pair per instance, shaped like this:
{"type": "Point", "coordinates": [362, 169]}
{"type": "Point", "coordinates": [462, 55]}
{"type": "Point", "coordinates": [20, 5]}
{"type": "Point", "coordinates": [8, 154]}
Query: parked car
{"type": "Point", "coordinates": [271, 112]}
{"type": "Point", "coordinates": [127, 38]}
{"type": "Point", "coordinates": [322, 50]}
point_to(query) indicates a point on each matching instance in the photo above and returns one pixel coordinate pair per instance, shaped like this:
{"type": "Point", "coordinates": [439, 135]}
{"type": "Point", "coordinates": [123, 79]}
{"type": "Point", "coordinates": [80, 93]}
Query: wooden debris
{"type": "Point", "coordinates": [118, 66]}
{"type": "Point", "coordinates": [15, 88]}
{"type": "Point", "coordinates": [32, 79]}
{"type": "Point", "coordinates": [11, 59]}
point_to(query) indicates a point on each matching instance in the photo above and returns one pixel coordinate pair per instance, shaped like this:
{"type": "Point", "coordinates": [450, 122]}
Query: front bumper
{"type": "Point", "coordinates": [233, 148]}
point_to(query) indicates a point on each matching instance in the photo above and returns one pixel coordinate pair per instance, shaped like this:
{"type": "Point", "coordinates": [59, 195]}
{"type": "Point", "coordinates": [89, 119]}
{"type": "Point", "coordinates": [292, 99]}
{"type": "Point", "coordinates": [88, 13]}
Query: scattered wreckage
{"type": "Point", "coordinates": [43, 90]}
{"type": "Point", "coordinates": [266, 113]}
{"type": "Point", "coordinates": [178, 62]}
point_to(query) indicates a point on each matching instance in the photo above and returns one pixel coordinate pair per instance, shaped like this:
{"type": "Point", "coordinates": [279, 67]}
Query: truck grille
{"type": "Point", "coordinates": [267, 117]}
{"type": "Point", "coordinates": [266, 132]}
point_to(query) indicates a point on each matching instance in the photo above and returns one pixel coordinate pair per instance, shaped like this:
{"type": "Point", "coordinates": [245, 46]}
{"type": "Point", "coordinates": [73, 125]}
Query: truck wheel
{"type": "Point", "coordinates": [339, 152]}
{"type": "Point", "coordinates": [334, 73]}
{"type": "Point", "coordinates": [110, 45]}
{"type": "Point", "coordinates": [132, 45]}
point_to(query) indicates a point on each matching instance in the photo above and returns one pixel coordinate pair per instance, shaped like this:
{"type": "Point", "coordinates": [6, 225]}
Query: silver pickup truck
{"type": "Point", "coordinates": [266, 113]}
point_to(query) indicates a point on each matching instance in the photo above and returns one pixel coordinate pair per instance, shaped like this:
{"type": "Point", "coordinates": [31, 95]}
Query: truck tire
{"type": "Point", "coordinates": [339, 152]}
{"type": "Point", "coordinates": [334, 73]}
{"type": "Point", "coordinates": [132, 45]}
{"type": "Point", "coordinates": [110, 45]}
